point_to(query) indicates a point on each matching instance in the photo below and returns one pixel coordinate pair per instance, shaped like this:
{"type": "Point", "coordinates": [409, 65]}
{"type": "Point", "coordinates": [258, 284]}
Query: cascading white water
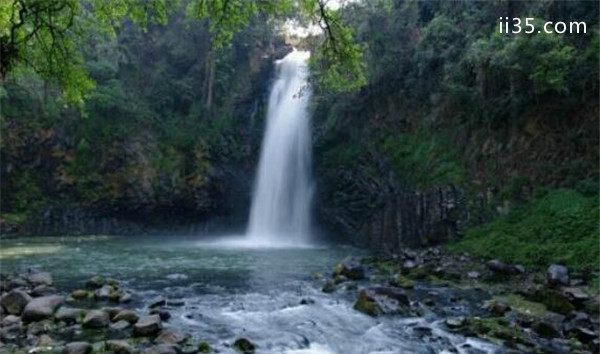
{"type": "Point", "coordinates": [280, 212]}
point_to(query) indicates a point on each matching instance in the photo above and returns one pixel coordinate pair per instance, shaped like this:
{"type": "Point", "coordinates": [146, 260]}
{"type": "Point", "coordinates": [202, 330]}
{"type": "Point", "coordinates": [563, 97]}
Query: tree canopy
{"type": "Point", "coordinates": [48, 36]}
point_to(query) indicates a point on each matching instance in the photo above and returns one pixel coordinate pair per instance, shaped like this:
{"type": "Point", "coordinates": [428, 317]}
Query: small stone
{"type": "Point", "coordinates": [409, 264]}
{"type": "Point", "coordinates": [42, 290]}
{"type": "Point", "coordinates": [585, 335]}
{"type": "Point", "coordinates": [126, 315]}
{"type": "Point", "coordinates": [455, 322]}
{"type": "Point", "coordinates": [112, 311]}
{"type": "Point", "coordinates": [103, 293]}
{"type": "Point", "coordinates": [95, 282]}
{"type": "Point", "coordinates": [204, 348]}
{"type": "Point", "coordinates": [45, 341]}
{"type": "Point", "coordinates": [170, 337]}
{"type": "Point", "coordinates": [244, 346]}
{"type": "Point", "coordinates": [78, 348]}
{"type": "Point", "coordinates": [147, 326]}
{"type": "Point", "coordinates": [576, 295]}
{"type": "Point", "coordinates": [79, 295]}
{"type": "Point", "coordinates": [69, 315]}
{"type": "Point", "coordinates": [119, 347]}
{"type": "Point", "coordinates": [96, 319]}
{"type": "Point", "coordinates": [557, 275]}
{"type": "Point", "coordinates": [307, 301]}
{"type": "Point", "coordinates": [498, 266]}
{"type": "Point", "coordinates": [473, 274]}
{"type": "Point", "coordinates": [157, 302]}
{"type": "Point", "coordinates": [176, 303]}
{"type": "Point", "coordinates": [42, 307]}
{"type": "Point", "coordinates": [119, 326]}
{"type": "Point", "coordinates": [497, 308]}
{"type": "Point", "coordinates": [42, 278]}
{"type": "Point", "coordinates": [15, 301]}
{"type": "Point", "coordinates": [163, 314]}
{"type": "Point", "coordinates": [328, 287]}
{"type": "Point", "coordinates": [161, 349]}
{"type": "Point", "coordinates": [546, 329]}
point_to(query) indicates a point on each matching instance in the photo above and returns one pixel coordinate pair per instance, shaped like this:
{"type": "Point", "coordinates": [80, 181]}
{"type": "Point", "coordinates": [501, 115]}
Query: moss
{"type": "Point", "coordinates": [402, 282]}
{"type": "Point", "coordinates": [203, 347]}
{"type": "Point", "coordinates": [366, 305]}
{"type": "Point", "coordinates": [562, 226]}
{"type": "Point", "coordinates": [494, 329]}
{"type": "Point", "coordinates": [519, 304]}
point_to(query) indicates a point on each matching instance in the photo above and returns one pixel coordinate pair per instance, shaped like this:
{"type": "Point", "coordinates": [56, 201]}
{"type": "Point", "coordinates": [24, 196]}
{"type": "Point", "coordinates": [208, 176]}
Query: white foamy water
{"type": "Point", "coordinates": [280, 211]}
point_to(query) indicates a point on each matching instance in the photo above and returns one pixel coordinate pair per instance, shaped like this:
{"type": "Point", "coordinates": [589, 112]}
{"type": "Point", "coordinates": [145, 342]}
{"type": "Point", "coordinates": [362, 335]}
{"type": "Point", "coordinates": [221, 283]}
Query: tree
{"type": "Point", "coordinates": [46, 35]}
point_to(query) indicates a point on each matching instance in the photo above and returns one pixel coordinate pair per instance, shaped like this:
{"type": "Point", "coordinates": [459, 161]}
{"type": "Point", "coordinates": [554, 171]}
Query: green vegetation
{"type": "Point", "coordinates": [559, 227]}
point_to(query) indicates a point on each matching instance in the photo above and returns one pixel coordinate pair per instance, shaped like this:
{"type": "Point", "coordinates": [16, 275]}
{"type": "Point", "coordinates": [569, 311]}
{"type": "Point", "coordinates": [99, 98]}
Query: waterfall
{"type": "Point", "coordinates": [280, 211]}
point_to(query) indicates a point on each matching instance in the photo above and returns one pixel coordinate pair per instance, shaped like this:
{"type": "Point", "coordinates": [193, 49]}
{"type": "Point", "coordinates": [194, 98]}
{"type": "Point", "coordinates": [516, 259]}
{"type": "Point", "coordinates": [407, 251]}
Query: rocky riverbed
{"type": "Point", "coordinates": [285, 301]}
{"type": "Point", "coordinates": [524, 312]}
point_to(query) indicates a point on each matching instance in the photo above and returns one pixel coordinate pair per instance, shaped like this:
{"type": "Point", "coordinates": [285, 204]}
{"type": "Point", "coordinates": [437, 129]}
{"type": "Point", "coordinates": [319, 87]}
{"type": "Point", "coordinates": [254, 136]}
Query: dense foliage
{"type": "Point", "coordinates": [561, 226]}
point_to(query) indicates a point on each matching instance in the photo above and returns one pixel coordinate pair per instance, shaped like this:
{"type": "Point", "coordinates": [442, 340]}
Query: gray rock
{"type": "Point", "coordinates": [15, 301]}
{"type": "Point", "coordinates": [119, 347]}
{"type": "Point", "coordinates": [112, 311]}
{"type": "Point", "coordinates": [161, 349]}
{"type": "Point", "coordinates": [328, 287]}
{"type": "Point", "coordinates": [557, 275]}
{"type": "Point", "coordinates": [350, 268]}
{"type": "Point", "coordinates": [455, 322]}
{"type": "Point", "coordinates": [498, 267]}
{"type": "Point", "coordinates": [409, 264]}
{"type": "Point", "coordinates": [376, 301]}
{"type": "Point", "coordinates": [96, 319]}
{"type": "Point", "coordinates": [497, 308]}
{"type": "Point", "coordinates": [163, 314]}
{"type": "Point", "coordinates": [119, 326]}
{"type": "Point", "coordinates": [78, 348]}
{"type": "Point", "coordinates": [125, 297]}
{"type": "Point", "coordinates": [69, 315]}
{"type": "Point", "coordinates": [157, 302]}
{"type": "Point", "coordinates": [148, 326]}
{"type": "Point", "coordinates": [474, 274]}
{"type": "Point", "coordinates": [576, 295]}
{"type": "Point", "coordinates": [42, 278]}
{"type": "Point", "coordinates": [10, 320]}
{"type": "Point", "coordinates": [42, 307]}
{"type": "Point", "coordinates": [103, 293]}
{"type": "Point", "coordinates": [43, 290]}
{"type": "Point", "coordinates": [126, 315]}
{"type": "Point", "coordinates": [170, 337]}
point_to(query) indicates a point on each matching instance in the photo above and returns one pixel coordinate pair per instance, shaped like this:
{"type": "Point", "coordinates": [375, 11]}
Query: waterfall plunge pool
{"type": "Point", "coordinates": [230, 292]}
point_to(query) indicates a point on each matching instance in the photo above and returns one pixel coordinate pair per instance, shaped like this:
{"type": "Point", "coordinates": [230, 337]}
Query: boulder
{"type": "Point", "coordinates": [244, 346]}
{"type": "Point", "coordinates": [126, 315]}
{"type": "Point", "coordinates": [557, 275]}
{"type": "Point", "coordinates": [403, 282]}
{"type": "Point", "coordinates": [69, 315]}
{"type": "Point", "coordinates": [119, 347]}
{"type": "Point", "coordinates": [41, 278]}
{"type": "Point", "coordinates": [15, 301]}
{"type": "Point", "coordinates": [78, 348]}
{"type": "Point", "coordinates": [42, 307]}
{"type": "Point", "coordinates": [351, 268]}
{"type": "Point", "coordinates": [112, 311]}
{"type": "Point", "coordinates": [381, 300]}
{"type": "Point", "coordinates": [148, 326]}
{"type": "Point", "coordinates": [96, 319]}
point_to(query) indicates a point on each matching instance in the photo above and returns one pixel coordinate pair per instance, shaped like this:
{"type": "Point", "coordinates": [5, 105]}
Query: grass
{"type": "Point", "coordinates": [561, 226]}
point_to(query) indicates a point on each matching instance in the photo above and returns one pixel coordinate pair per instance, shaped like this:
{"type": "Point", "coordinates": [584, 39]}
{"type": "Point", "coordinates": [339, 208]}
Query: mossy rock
{"type": "Point", "coordinates": [554, 301]}
{"type": "Point", "coordinates": [244, 346]}
{"type": "Point", "coordinates": [367, 305]}
{"type": "Point", "coordinates": [204, 348]}
{"type": "Point", "coordinates": [521, 305]}
{"type": "Point", "coordinates": [494, 329]}
{"type": "Point", "coordinates": [403, 282]}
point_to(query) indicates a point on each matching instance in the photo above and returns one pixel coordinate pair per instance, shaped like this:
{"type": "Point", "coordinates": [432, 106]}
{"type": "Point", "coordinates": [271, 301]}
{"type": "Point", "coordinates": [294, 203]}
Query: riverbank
{"type": "Point", "coordinates": [555, 311]}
